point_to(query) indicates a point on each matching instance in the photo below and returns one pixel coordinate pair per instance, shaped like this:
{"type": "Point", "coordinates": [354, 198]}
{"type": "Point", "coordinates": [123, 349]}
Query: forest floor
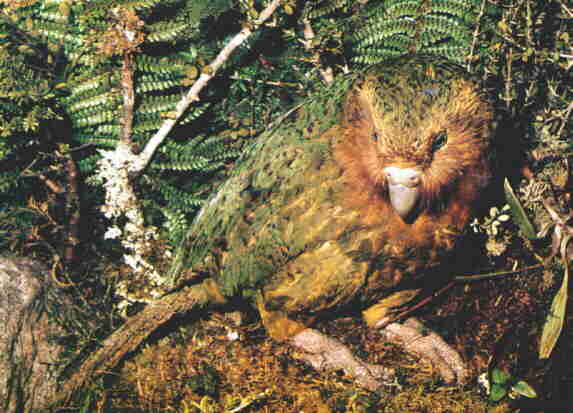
{"type": "Point", "coordinates": [219, 365]}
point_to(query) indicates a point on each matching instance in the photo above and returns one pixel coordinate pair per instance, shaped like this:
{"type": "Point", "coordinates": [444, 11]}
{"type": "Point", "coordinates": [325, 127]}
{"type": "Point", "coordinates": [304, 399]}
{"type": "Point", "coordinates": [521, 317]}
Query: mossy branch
{"type": "Point", "coordinates": [128, 337]}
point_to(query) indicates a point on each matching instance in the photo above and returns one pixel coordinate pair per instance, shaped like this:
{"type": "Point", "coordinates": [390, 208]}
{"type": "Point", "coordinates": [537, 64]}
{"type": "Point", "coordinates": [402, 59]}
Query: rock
{"type": "Point", "coordinates": [28, 351]}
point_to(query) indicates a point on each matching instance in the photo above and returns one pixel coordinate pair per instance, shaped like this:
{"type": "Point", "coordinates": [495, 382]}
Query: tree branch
{"type": "Point", "coordinates": [192, 95]}
{"type": "Point", "coordinates": [128, 99]}
{"type": "Point", "coordinates": [117, 168]}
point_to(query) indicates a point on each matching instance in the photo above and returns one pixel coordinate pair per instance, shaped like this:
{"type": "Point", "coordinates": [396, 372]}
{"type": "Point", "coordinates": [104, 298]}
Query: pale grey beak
{"type": "Point", "coordinates": [403, 188]}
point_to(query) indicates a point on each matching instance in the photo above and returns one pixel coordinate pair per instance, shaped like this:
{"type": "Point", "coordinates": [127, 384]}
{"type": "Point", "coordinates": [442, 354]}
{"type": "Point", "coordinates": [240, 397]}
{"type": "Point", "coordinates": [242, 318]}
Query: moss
{"type": "Point", "coordinates": [206, 369]}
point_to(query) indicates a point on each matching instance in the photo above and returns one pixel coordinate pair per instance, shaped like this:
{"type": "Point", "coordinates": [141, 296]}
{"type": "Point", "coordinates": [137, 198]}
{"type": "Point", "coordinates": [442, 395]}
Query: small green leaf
{"type": "Point", "coordinates": [499, 377]}
{"type": "Point", "coordinates": [524, 389]}
{"type": "Point", "coordinates": [497, 392]}
{"type": "Point", "coordinates": [518, 212]}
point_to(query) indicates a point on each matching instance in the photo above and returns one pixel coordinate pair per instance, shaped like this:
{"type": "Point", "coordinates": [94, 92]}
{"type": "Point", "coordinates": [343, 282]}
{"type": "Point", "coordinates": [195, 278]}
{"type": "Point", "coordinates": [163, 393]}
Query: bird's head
{"type": "Point", "coordinates": [414, 132]}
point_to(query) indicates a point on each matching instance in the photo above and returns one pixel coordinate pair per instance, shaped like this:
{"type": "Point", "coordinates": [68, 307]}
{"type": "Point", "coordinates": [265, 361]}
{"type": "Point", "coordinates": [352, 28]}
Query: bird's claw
{"type": "Point", "coordinates": [325, 353]}
{"type": "Point", "coordinates": [419, 340]}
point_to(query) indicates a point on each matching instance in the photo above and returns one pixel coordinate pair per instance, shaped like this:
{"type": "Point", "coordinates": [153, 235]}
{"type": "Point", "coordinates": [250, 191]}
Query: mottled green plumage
{"type": "Point", "coordinates": [285, 227]}
{"type": "Point", "coordinates": [271, 164]}
{"type": "Point", "coordinates": [245, 223]}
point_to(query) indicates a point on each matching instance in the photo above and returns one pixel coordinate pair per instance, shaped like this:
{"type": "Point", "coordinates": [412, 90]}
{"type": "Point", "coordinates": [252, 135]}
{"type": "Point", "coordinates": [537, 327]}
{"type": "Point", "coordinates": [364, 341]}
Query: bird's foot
{"type": "Point", "coordinates": [326, 353]}
{"type": "Point", "coordinates": [423, 342]}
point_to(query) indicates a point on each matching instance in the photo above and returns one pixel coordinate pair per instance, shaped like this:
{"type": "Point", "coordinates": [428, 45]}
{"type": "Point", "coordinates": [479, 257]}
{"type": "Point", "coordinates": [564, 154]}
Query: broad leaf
{"type": "Point", "coordinates": [555, 319]}
{"type": "Point", "coordinates": [524, 389]}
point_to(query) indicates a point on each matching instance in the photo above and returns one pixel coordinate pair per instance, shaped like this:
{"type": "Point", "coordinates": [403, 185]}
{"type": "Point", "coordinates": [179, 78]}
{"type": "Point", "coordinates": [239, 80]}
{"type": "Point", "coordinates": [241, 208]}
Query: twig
{"type": "Point", "coordinates": [265, 82]}
{"type": "Point", "coordinates": [72, 236]}
{"type": "Point", "coordinates": [496, 274]}
{"type": "Point", "coordinates": [81, 147]}
{"type": "Point", "coordinates": [421, 303]}
{"type": "Point", "coordinates": [476, 34]}
{"type": "Point", "coordinates": [567, 114]}
{"type": "Point", "coordinates": [458, 279]}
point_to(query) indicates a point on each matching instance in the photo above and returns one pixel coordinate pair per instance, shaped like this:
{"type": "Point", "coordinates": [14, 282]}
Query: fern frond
{"type": "Point", "coordinates": [183, 199]}
{"type": "Point", "coordinates": [89, 85]}
{"type": "Point", "coordinates": [162, 65]}
{"type": "Point", "coordinates": [95, 117]}
{"type": "Point", "coordinates": [143, 4]}
{"type": "Point", "coordinates": [107, 99]}
{"type": "Point", "coordinates": [400, 27]}
{"type": "Point", "coordinates": [176, 224]}
{"type": "Point", "coordinates": [110, 129]}
{"type": "Point", "coordinates": [166, 32]}
{"type": "Point", "coordinates": [88, 164]}
{"type": "Point", "coordinates": [198, 154]}
{"type": "Point", "coordinates": [380, 31]}
{"type": "Point", "coordinates": [150, 82]}
{"type": "Point", "coordinates": [316, 9]}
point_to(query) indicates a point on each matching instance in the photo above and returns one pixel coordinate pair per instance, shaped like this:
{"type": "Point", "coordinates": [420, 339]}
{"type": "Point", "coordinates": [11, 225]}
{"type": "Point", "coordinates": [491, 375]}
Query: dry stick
{"type": "Point", "coordinates": [565, 118]}
{"type": "Point", "coordinates": [72, 210]}
{"type": "Point", "coordinates": [401, 315]}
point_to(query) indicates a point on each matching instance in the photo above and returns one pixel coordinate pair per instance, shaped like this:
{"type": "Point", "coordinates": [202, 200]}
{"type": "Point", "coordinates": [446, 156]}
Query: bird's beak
{"type": "Point", "coordinates": [403, 188]}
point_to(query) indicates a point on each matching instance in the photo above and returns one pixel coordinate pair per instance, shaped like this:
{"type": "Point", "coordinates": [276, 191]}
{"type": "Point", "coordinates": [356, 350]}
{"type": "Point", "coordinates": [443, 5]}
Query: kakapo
{"type": "Point", "coordinates": [322, 218]}
{"type": "Point", "coordinates": [358, 216]}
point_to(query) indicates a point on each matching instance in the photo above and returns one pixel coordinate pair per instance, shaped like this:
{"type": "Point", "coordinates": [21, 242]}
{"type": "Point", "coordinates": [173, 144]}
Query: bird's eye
{"type": "Point", "coordinates": [375, 136]}
{"type": "Point", "coordinates": [439, 141]}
